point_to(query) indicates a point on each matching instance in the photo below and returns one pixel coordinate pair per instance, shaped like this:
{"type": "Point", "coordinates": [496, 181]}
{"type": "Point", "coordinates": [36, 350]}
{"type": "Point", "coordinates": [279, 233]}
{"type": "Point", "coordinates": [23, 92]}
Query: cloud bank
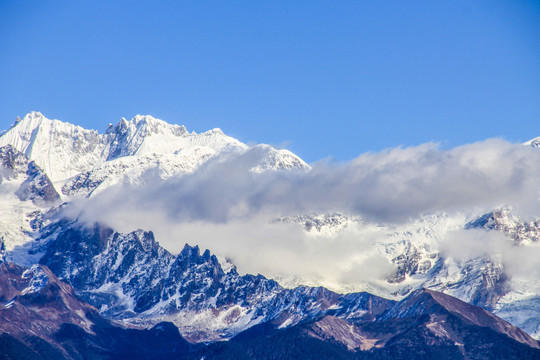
{"type": "Point", "coordinates": [227, 208]}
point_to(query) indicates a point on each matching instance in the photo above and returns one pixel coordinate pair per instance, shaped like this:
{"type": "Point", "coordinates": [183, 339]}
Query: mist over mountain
{"type": "Point", "coordinates": [121, 215]}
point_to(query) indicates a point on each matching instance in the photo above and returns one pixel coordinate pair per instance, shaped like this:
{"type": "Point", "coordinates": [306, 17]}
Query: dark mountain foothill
{"type": "Point", "coordinates": [425, 325]}
{"type": "Point", "coordinates": [42, 318]}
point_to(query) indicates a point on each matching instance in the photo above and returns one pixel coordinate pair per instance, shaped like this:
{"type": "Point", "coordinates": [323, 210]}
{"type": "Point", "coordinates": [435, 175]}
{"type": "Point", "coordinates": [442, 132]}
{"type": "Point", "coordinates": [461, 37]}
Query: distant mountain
{"type": "Point", "coordinates": [45, 164]}
{"type": "Point", "coordinates": [414, 249]}
{"type": "Point", "coordinates": [81, 162]}
{"type": "Point", "coordinates": [533, 142]}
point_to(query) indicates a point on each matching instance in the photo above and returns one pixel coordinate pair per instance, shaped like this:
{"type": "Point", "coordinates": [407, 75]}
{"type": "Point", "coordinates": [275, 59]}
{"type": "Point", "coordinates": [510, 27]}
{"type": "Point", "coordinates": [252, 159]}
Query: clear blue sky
{"type": "Point", "coordinates": [323, 78]}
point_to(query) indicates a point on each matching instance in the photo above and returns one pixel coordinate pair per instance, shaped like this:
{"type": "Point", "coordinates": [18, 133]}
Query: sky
{"type": "Point", "coordinates": [321, 78]}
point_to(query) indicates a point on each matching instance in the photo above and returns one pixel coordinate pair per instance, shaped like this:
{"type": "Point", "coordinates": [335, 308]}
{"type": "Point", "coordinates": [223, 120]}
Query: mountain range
{"type": "Point", "coordinates": [430, 304]}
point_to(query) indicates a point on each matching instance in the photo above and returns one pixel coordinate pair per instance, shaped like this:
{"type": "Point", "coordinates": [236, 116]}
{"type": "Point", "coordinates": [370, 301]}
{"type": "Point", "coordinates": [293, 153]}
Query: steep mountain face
{"type": "Point", "coordinates": [81, 162]}
{"type": "Point", "coordinates": [131, 278]}
{"type": "Point", "coordinates": [503, 220]}
{"type": "Point", "coordinates": [42, 318]}
{"type": "Point", "coordinates": [35, 185]}
{"type": "Point", "coordinates": [520, 301]}
{"type": "Point", "coordinates": [426, 324]}
{"type": "Point", "coordinates": [26, 196]}
{"type": "Point", "coordinates": [61, 149]}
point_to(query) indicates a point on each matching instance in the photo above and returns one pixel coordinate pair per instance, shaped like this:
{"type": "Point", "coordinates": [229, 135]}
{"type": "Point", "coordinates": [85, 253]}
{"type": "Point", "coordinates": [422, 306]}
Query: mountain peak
{"type": "Point", "coordinates": [79, 161]}
{"type": "Point", "coordinates": [152, 124]}
{"type": "Point", "coordinates": [533, 142]}
{"type": "Point", "coordinates": [33, 114]}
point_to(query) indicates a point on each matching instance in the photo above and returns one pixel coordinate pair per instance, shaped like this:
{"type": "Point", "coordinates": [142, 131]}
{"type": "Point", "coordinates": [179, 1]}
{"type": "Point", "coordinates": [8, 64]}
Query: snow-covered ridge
{"type": "Point", "coordinates": [82, 162]}
{"type": "Point", "coordinates": [26, 194]}
{"type": "Point", "coordinates": [61, 149]}
{"type": "Point", "coordinates": [533, 142]}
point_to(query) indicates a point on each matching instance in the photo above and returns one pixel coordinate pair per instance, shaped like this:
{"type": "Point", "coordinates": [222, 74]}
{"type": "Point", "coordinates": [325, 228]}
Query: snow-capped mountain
{"type": "Point", "coordinates": [81, 162]}
{"type": "Point", "coordinates": [322, 224]}
{"type": "Point", "coordinates": [130, 277]}
{"type": "Point", "coordinates": [43, 318]}
{"type": "Point", "coordinates": [425, 325]}
{"type": "Point", "coordinates": [420, 260]}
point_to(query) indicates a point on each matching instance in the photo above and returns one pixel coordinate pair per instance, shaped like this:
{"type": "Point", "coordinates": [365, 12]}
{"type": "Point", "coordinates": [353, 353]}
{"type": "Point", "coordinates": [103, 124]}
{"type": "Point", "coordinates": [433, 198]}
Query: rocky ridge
{"type": "Point", "coordinates": [42, 318]}
{"type": "Point", "coordinates": [129, 277]}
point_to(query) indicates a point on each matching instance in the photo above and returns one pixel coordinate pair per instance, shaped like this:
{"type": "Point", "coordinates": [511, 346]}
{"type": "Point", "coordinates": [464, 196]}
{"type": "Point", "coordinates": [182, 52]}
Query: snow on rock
{"type": "Point", "coordinates": [130, 277]}
{"type": "Point", "coordinates": [26, 196]}
{"type": "Point", "coordinates": [533, 142]}
{"type": "Point", "coordinates": [133, 279]}
{"type": "Point", "coordinates": [269, 158]}
{"type": "Point", "coordinates": [37, 279]}
{"type": "Point", "coordinates": [415, 250]}
{"type": "Point", "coordinates": [324, 224]}
{"type": "Point", "coordinates": [83, 162]}
{"type": "Point", "coordinates": [61, 149]}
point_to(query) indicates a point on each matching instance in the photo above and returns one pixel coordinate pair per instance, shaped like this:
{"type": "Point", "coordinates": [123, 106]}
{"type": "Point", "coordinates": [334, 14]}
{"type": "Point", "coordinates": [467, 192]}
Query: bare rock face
{"type": "Point", "coordinates": [35, 301]}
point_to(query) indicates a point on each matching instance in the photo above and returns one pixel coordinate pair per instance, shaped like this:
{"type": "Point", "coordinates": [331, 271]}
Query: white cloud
{"type": "Point", "coordinates": [228, 209]}
{"type": "Point", "coordinates": [520, 262]}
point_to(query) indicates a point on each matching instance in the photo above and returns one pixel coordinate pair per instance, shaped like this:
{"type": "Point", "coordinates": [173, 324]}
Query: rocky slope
{"type": "Point", "coordinates": [420, 262]}
{"type": "Point", "coordinates": [42, 318]}
{"type": "Point", "coordinates": [130, 277]}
